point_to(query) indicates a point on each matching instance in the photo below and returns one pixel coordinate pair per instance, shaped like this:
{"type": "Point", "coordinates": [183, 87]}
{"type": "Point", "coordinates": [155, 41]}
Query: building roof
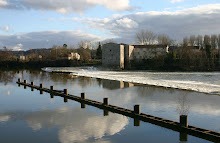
{"type": "Point", "coordinates": [150, 46]}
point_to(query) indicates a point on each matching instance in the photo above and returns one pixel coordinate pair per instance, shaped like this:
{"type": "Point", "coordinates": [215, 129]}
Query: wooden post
{"type": "Point", "coordinates": [105, 100]}
{"type": "Point", "coordinates": [41, 92]}
{"type": "Point", "coordinates": [32, 83]}
{"type": "Point", "coordinates": [137, 109]}
{"type": "Point", "coordinates": [65, 91]}
{"type": "Point", "coordinates": [83, 95]}
{"type": "Point", "coordinates": [41, 85]}
{"type": "Point", "coordinates": [184, 120]}
{"type": "Point", "coordinates": [19, 80]}
{"type": "Point", "coordinates": [25, 87]}
{"type": "Point", "coordinates": [51, 88]}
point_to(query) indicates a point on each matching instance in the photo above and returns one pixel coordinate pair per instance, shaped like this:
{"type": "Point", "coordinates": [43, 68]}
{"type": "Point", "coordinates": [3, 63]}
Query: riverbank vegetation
{"type": "Point", "coordinates": [57, 56]}
{"type": "Point", "coordinates": [194, 53]}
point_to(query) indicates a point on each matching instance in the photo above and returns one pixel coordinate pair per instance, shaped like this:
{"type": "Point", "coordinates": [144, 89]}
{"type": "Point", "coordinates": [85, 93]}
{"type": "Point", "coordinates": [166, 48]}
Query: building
{"type": "Point", "coordinates": [40, 57]}
{"type": "Point", "coordinates": [22, 58]}
{"type": "Point", "coordinates": [117, 55]}
{"type": "Point", "coordinates": [141, 52]}
{"type": "Point", "coordinates": [113, 55]}
{"type": "Point", "coordinates": [73, 56]}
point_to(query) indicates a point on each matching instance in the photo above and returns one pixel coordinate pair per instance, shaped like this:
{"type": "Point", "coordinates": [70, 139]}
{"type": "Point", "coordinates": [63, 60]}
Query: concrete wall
{"type": "Point", "coordinates": [141, 52]}
{"type": "Point", "coordinates": [113, 55]}
{"type": "Point", "coordinates": [128, 55]}
{"type": "Point", "coordinates": [128, 52]}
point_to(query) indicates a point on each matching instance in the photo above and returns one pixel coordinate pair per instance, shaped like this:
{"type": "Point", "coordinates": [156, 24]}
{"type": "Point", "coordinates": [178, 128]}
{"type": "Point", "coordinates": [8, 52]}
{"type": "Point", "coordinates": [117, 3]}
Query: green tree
{"type": "Point", "coordinates": [99, 52]}
{"type": "Point", "coordinates": [65, 45]}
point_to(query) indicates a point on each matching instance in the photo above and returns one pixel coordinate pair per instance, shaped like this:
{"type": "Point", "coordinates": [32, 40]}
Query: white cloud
{"type": "Point", "coordinates": [202, 19]}
{"type": "Point", "coordinates": [3, 3]}
{"type": "Point", "coordinates": [5, 28]}
{"type": "Point", "coordinates": [46, 39]}
{"type": "Point", "coordinates": [18, 47]}
{"type": "Point", "coordinates": [117, 5]}
{"type": "Point", "coordinates": [174, 1]}
{"type": "Point", "coordinates": [78, 6]}
{"type": "Point", "coordinates": [126, 22]}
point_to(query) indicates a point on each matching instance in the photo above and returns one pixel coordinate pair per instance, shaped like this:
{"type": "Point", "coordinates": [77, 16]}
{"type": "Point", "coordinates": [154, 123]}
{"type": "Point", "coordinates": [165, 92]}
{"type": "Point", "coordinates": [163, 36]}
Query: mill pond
{"type": "Point", "coordinates": [28, 116]}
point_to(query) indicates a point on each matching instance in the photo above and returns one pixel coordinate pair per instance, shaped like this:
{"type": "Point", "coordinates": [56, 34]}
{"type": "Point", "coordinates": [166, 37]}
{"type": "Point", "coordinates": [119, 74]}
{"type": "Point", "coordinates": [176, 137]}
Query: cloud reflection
{"type": "Point", "coordinates": [77, 125]}
{"type": "Point", "coordinates": [4, 118]}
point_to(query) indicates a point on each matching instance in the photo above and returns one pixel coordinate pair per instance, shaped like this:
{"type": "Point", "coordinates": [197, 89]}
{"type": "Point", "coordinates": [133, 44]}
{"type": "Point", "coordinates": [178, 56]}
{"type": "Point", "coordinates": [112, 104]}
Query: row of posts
{"type": "Point", "coordinates": [137, 109]}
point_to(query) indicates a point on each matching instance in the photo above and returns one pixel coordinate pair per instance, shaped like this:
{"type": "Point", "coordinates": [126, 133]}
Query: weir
{"type": "Point", "coordinates": [136, 114]}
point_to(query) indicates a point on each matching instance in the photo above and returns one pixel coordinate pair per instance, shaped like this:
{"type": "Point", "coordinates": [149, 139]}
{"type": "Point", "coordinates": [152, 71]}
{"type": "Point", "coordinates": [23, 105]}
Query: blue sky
{"type": "Point", "coordinates": [27, 24]}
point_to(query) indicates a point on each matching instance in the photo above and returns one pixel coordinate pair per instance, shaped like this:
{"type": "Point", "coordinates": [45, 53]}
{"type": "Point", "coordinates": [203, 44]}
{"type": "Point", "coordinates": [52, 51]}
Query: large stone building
{"type": "Point", "coordinates": [113, 55]}
{"type": "Point", "coordinates": [141, 52]}
{"type": "Point", "coordinates": [116, 55]}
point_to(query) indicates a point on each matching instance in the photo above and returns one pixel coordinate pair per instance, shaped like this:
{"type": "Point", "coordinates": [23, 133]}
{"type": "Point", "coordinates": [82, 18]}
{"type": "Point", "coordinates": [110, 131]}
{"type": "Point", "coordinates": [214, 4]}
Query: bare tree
{"type": "Point", "coordinates": [6, 54]}
{"type": "Point", "coordinates": [207, 40]}
{"type": "Point", "coordinates": [185, 42]}
{"type": "Point", "coordinates": [192, 40]}
{"type": "Point", "coordinates": [84, 44]}
{"type": "Point", "coordinates": [219, 41]}
{"type": "Point", "coordinates": [214, 41]}
{"type": "Point", "coordinates": [145, 37]}
{"type": "Point", "coordinates": [164, 39]}
{"type": "Point", "coordinates": [199, 41]}
{"type": "Point", "coordinates": [84, 51]}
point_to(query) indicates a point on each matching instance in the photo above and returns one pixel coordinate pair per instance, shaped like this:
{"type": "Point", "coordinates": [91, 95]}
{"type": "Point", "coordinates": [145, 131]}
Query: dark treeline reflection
{"type": "Point", "coordinates": [7, 76]}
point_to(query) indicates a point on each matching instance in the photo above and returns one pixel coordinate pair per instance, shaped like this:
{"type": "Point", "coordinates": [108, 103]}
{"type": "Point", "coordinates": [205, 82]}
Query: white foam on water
{"type": "Point", "coordinates": [206, 82]}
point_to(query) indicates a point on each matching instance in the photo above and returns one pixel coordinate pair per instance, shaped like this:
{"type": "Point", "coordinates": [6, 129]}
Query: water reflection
{"type": "Point", "coordinates": [7, 76]}
{"type": "Point", "coordinates": [114, 84]}
{"type": "Point", "coordinates": [4, 118]}
{"type": "Point", "coordinates": [183, 105]}
{"type": "Point", "coordinates": [77, 125]}
{"type": "Point", "coordinates": [157, 101]}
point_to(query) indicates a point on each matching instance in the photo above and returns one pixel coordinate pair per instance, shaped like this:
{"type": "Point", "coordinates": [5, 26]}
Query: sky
{"type": "Point", "coordinates": [29, 24]}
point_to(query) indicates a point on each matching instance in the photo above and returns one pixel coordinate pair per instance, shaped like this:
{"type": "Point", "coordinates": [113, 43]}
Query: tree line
{"type": "Point", "coordinates": [197, 53]}
{"type": "Point", "coordinates": [56, 56]}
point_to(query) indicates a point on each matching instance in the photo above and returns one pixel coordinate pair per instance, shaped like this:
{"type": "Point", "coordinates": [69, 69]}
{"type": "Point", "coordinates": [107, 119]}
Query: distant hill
{"type": "Point", "coordinates": [36, 51]}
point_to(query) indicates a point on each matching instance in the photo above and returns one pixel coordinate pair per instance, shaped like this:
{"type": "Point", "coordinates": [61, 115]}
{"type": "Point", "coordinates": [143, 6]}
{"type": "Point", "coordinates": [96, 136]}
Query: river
{"type": "Point", "coordinates": [28, 116]}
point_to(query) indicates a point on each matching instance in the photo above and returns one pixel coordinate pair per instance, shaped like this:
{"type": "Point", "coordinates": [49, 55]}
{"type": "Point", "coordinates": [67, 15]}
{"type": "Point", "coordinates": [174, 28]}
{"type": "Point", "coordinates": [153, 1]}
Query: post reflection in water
{"type": "Point", "coordinates": [137, 122]}
{"type": "Point", "coordinates": [83, 105]}
{"type": "Point", "coordinates": [183, 137]}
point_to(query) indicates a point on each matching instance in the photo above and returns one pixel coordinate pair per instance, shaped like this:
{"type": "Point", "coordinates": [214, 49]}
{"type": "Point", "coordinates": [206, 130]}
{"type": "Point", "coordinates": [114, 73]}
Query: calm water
{"type": "Point", "coordinates": [28, 116]}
